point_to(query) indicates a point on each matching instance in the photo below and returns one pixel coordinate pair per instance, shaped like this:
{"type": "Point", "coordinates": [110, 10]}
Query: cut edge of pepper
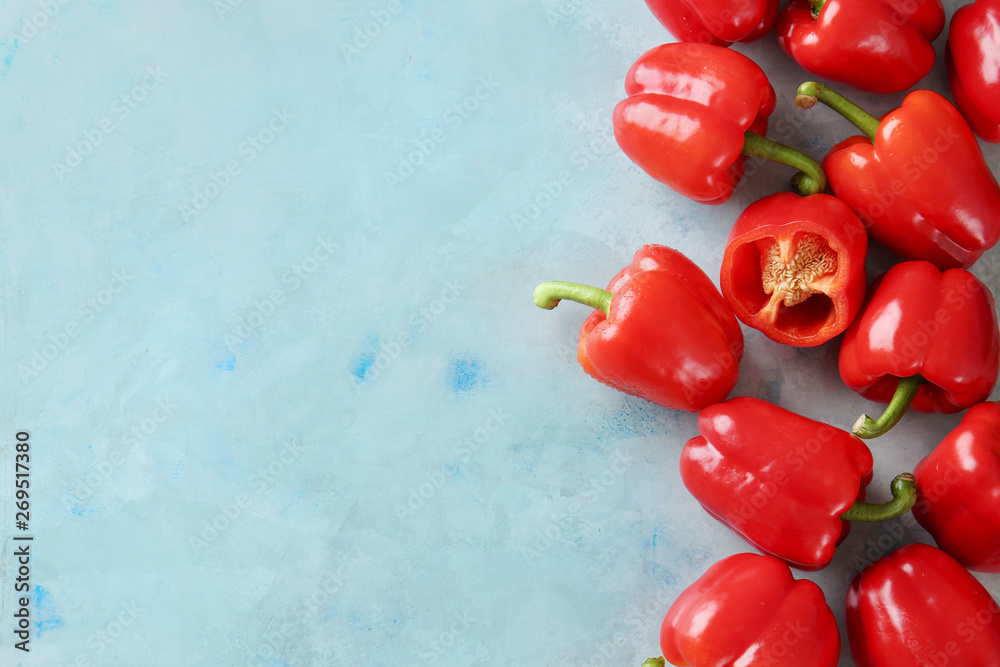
{"type": "Point", "coordinates": [801, 323]}
{"type": "Point", "coordinates": [802, 266]}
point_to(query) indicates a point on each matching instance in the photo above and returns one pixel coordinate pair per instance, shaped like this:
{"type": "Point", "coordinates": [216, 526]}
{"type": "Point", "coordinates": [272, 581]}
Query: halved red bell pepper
{"type": "Point", "coordinates": [718, 22]}
{"type": "Point", "coordinates": [661, 331]}
{"type": "Point", "coordinates": [924, 337]}
{"type": "Point", "coordinates": [918, 606]}
{"type": "Point", "coordinates": [787, 484]}
{"type": "Point", "coordinates": [748, 609]}
{"type": "Point", "coordinates": [794, 267]}
{"type": "Point", "coordinates": [918, 180]}
{"type": "Point", "coordinates": [958, 490]}
{"type": "Point", "coordinates": [882, 46]}
{"type": "Point", "coordinates": [973, 59]}
{"type": "Point", "coordinates": [693, 114]}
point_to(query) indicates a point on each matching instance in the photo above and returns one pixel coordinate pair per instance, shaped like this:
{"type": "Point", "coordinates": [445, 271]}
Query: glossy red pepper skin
{"type": "Point", "coordinates": [784, 221]}
{"type": "Point", "coordinates": [778, 479]}
{"type": "Point", "coordinates": [670, 338]}
{"type": "Point", "coordinates": [958, 490]}
{"type": "Point", "coordinates": [973, 59]}
{"type": "Point", "coordinates": [919, 320]}
{"type": "Point", "coordinates": [686, 113]}
{"type": "Point", "coordinates": [747, 609]}
{"type": "Point", "coordinates": [882, 46]}
{"type": "Point", "coordinates": [718, 22]}
{"type": "Point", "coordinates": [918, 606]}
{"type": "Point", "coordinates": [923, 188]}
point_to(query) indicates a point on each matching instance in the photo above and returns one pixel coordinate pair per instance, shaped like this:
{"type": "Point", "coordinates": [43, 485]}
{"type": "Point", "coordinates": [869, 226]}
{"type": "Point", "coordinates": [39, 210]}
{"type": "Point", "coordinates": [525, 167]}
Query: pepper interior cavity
{"type": "Point", "coordinates": [792, 270]}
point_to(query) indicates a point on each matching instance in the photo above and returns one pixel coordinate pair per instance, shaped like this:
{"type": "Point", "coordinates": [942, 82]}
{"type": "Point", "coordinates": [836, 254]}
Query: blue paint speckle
{"type": "Point", "coordinates": [45, 612]}
{"type": "Point", "coordinates": [78, 507]}
{"type": "Point", "coordinates": [9, 59]}
{"type": "Point", "coordinates": [227, 364]}
{"type": "Point", "coordinates": [466, 374]}
{"type": "Point", "coordinates": [362, 363]}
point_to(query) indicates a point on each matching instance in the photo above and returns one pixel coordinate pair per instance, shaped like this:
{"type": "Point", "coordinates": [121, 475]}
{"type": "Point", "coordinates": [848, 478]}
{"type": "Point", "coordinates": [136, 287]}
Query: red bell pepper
{"type": "Point", "coordinates": [718, 22]}
{"type": "Point", "coordinates": [918, 181]}
{"type": "Point", "coordinates": [747, 609]}
{"type": "Point", "coordinates": [661, 331]}
{"type": "Point", "coordinates": [958, 487]}
{"type": "Point", "coordinates": [882, 46]}
{"type": "Point", "coordinates": [787, 484]}
{"type": "Point", "coordinates": [794, 267]}
{"type": "Point", "coordinates": [693, 114]}
{"type": "Point", "coordinates": [974, 65]}
{"type": "Point", "coordinates": [918, 606]}
{"type": "Point", "coordinates": [924, 337]}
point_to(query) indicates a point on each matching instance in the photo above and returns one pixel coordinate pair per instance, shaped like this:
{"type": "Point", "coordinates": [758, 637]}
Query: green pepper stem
{"type": "Point", "coordinates": [904, 495]}
{"type": "Point", "coordinates": [817, 7]}
{"type": "Point", "coordinates": [810, 92]}
{"type": "Point", "coordinates": [548, 295]}
{"type": "Point", "coordinates": [655, 662]}
{"type": "Point", "coordinates": [906, 389]}
{"type": "Point", "coordinates": [809, 181]}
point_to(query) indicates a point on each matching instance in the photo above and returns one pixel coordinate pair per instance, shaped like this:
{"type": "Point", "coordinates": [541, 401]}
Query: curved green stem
{"type": "Point", "coordinates": [906, 389]}
{"type": "Point", "coordinates": [810, 92]}
{"type": "Point", "coordinates": [904, 495]}
{"type": "Point", "coordinates": [548, 295]}
{"type": "Point", "coordinates": [817, 7]}
{"type": "Point", "coordinates": [811, 178]}
{"type": "Point", "coordinates": [655, 662]}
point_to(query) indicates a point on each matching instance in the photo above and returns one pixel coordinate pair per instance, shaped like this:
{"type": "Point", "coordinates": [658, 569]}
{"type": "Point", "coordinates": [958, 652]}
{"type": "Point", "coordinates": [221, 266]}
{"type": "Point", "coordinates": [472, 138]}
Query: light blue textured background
{"type": "Point", "coordinates": [266, 308]}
